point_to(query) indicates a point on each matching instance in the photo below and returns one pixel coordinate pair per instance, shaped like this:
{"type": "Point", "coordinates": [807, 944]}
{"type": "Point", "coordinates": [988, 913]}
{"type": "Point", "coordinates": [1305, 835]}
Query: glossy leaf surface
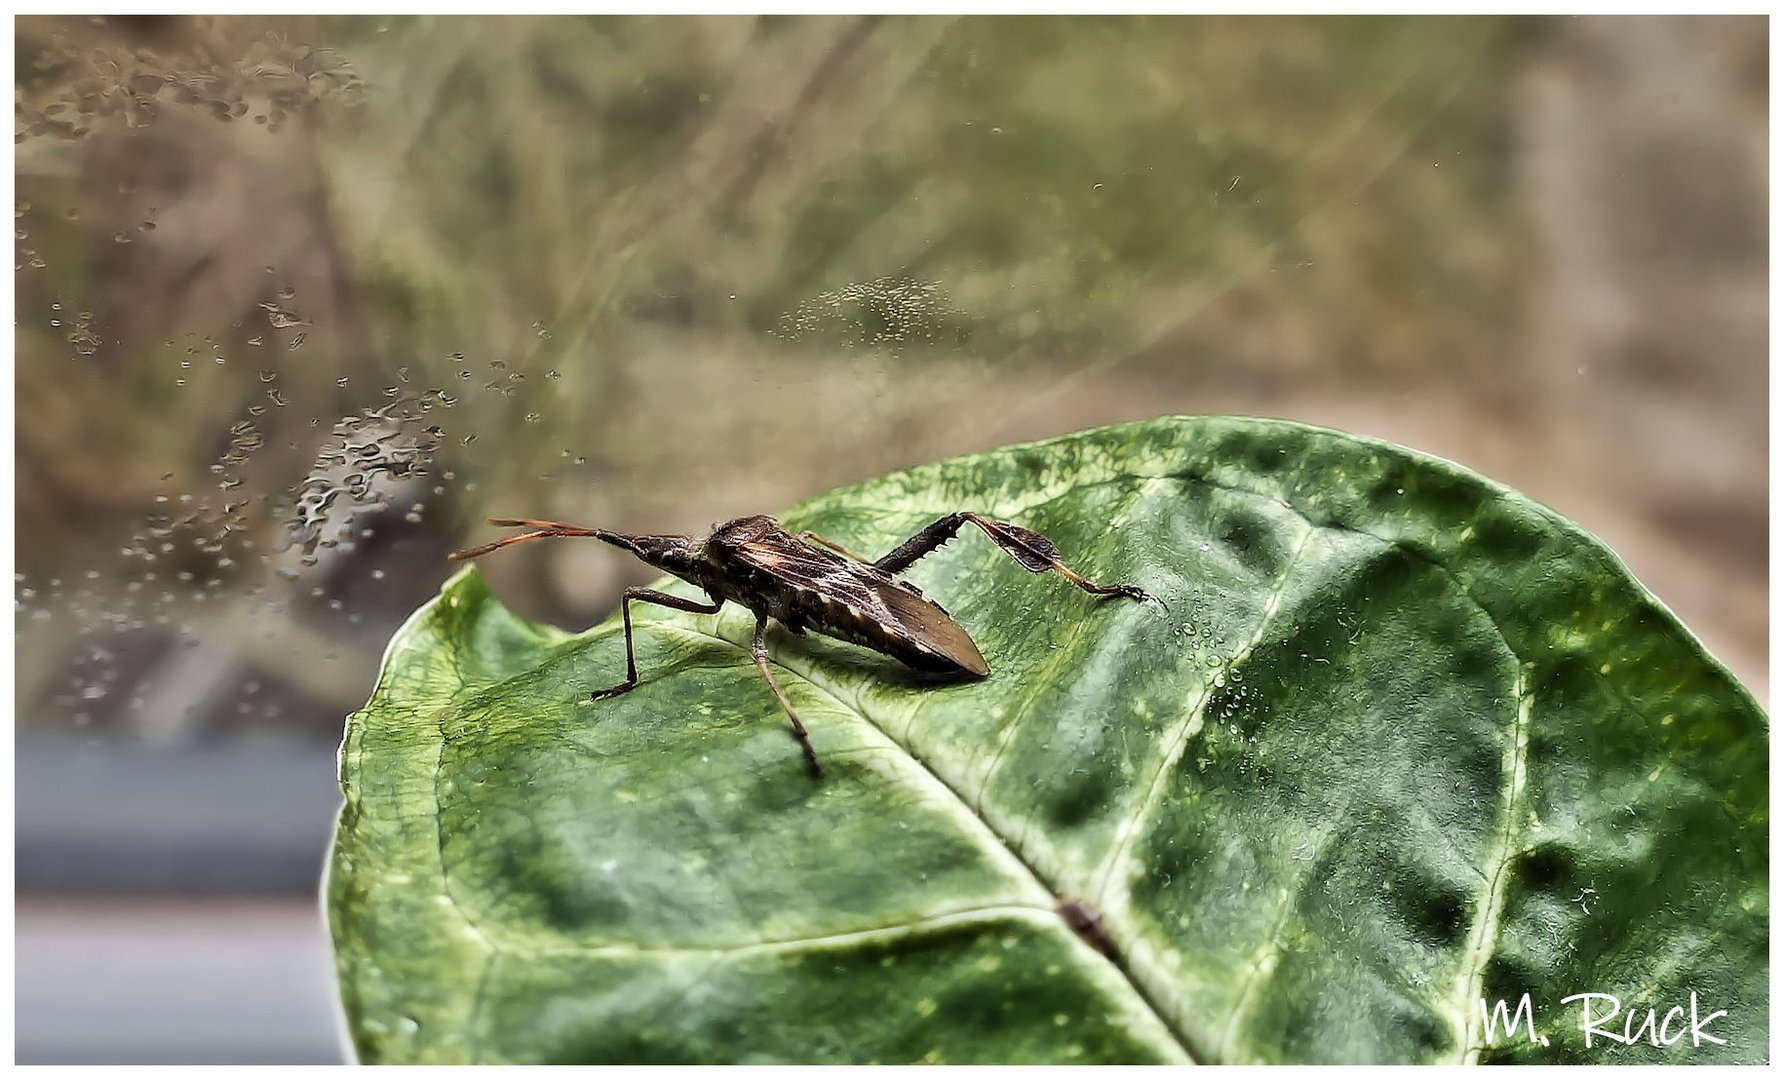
{"type": "Point", "coordinates": [1401, 741]}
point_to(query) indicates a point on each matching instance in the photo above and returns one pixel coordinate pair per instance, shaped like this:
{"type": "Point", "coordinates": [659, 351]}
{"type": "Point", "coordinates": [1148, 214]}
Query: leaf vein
{"type": "Point", "coordinates": [989, 836]}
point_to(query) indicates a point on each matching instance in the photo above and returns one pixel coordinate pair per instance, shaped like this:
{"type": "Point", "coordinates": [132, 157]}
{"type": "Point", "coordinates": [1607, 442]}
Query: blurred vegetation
{"type": "Point", "coordinates": [658, 271]}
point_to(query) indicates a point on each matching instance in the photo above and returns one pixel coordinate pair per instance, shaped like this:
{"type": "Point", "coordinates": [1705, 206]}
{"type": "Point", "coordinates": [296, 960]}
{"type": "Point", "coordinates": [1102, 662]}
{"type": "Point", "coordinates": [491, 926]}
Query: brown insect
{"type": "Point", "coordinates": [1087, 922]}
{"type": "Point", "coordinates": [805, 581]}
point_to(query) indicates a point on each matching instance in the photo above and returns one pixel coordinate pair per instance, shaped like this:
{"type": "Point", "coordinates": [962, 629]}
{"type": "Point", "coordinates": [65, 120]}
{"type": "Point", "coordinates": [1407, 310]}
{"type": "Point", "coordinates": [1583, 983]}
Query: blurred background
{"type": "Point", "coordinates": [300, 299]}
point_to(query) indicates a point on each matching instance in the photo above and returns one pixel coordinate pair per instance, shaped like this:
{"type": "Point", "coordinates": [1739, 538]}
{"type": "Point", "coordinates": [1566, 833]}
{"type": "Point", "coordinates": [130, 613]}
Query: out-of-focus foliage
{"type": "Point", "coordinates": [349, 283]}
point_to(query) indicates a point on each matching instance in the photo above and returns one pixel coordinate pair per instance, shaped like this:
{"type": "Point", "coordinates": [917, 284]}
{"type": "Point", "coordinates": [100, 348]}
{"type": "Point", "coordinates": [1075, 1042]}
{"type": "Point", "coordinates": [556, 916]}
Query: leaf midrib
{"type": "Point", "coordinates": [977, 821]}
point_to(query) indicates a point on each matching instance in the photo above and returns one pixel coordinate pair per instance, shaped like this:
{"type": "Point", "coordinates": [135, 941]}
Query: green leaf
{"type": "Point", "coordinates": [1402, 740]}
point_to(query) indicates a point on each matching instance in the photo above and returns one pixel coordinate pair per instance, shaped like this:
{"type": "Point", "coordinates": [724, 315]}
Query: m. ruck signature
{"type": "Point", "coordinates": [1598, 1019]}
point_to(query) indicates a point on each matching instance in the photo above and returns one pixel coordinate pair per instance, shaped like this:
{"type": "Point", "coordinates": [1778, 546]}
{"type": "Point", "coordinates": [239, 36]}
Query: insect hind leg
{"type": "Point", "coordinates": [1035, 552]}
{"type": "Point", "coordinates": [811, 537]}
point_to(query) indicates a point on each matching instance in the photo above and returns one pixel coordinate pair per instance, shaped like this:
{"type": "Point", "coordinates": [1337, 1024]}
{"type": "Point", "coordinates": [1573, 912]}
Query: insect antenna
{"type": "Point", "coordinates": [543, 530]}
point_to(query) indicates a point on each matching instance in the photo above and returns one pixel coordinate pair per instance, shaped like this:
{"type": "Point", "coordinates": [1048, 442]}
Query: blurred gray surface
{"type": "Point", "coordinates": [172, 982]}
{"type": "Point", "coordinates": [234, 820]}
{"type": "Point", "coordinates": [167, 903]}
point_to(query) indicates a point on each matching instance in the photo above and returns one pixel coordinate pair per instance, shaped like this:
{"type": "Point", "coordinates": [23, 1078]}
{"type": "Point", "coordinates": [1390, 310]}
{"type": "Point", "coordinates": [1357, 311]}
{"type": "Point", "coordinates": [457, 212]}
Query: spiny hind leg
{"type": "Point", "coordinates": [1035, 552]}
{"type": "Point", "coordinates": [759, 650]}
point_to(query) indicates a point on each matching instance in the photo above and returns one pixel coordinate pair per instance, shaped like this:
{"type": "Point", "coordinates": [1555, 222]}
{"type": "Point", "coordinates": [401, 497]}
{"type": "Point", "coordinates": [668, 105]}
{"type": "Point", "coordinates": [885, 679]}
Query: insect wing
{"type": "Point", "coordinates": [928, 624]}
{"type": "Point", "coordinates": [787, 557]}
{"type": "Point", "coordinates": [877, 596]}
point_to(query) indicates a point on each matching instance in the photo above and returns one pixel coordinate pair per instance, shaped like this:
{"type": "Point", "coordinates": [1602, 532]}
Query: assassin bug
{"type": "Point", "coordinates": [806, 581]}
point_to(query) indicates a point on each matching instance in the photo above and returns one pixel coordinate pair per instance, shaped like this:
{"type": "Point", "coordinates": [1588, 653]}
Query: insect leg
{"type": "Point", "coordinates": [1035, 552]}
{"type": "Point", "coordinates": [639, 592]}
{"type": "Point", "coordinates": [759, 650]}
{"type": "Point", "coordinates": [814, 538]}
